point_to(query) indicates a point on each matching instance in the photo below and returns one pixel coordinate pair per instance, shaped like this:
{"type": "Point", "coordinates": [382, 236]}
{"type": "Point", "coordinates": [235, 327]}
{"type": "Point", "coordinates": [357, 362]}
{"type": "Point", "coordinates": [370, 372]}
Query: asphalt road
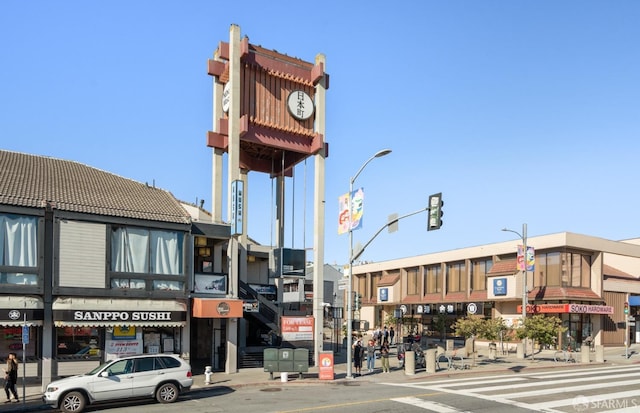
{"type": "Point", "coordinates": [570, 390]}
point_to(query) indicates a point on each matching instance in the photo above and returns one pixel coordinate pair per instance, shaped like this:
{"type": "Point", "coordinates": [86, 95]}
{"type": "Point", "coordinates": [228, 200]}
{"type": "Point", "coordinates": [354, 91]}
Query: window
{"type": "Point", "coordinates": [547, 270]}
{"type": "Point", "coordinates": [127, 284]}
{"type": "Point", "coordinates": [145, 364]}
{"type": "Point", "coordinates": [412, 281]}
{"type": "Point", "coordinates": [18, 249]}
{"type": "Point", "coordinates": [433, 278]}
{"type": "Point", "coordinates": [78, 343]}
{"type": "Point", "coordinates": [456, 277]}
{"type": "Point", "coordinates": [479, 271]}
{"type": "Point", "coordinates": [576, 270]}
{"type": "Point", "coordinates": [139, 250]}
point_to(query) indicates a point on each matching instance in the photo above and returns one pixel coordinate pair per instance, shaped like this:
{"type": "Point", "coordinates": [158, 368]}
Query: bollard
{"type": "Point", "coordinates": [409, 363]}
{"type": "Point", "coordinates": [207, 375]}
{"type": "Point", "coordinates": [584, 354]}
{"type": "Point", "coordinates": [493, 351]}
{"type": "Point", "coordinates": [599, 354]}
{"type": "Point", "coordinates": [520, 351]}
{"type": "Point", "coordinates": [284, 376]}
{"type": "Point", "coordinates": [431, 360]}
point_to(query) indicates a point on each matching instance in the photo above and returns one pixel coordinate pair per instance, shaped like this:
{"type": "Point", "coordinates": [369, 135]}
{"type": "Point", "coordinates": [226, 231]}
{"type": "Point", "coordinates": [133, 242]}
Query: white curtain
{"type": "Point", "coordinates": [130, 250]}
{"type": "Point", "coordinates": [18, 241]}
{"type": "Point", "coordinates": [148, 252]}
{"type": "Point", "coordinates": [165, 253]}
{"type": "Point", "coordinates": [19, 247]}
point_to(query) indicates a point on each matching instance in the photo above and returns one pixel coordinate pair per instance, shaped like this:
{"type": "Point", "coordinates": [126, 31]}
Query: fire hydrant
{"type": "Point", "coordinates": [207, 375]}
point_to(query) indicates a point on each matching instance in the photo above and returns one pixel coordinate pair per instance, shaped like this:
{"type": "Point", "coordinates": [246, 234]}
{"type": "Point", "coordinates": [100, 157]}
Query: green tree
{"type": "Point", "coordinates": [493, 329]}
{"type": "Point", "coordinates": [541, 329]}
{"type": "Point", "coordinates": [470, 326]}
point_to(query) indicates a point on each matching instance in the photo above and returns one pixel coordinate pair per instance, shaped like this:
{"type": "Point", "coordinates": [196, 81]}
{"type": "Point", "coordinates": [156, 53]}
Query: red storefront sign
{"type": "Point", "coordinates": [567, 308]}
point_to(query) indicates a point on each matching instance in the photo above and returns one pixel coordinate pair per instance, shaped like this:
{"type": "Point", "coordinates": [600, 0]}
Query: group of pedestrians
{"type": "Point", "coordinates": [377, 345]}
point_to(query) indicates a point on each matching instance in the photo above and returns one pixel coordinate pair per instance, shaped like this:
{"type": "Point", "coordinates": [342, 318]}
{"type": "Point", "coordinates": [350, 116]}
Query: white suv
{"type": "Point", "coordinates": [159, 376]}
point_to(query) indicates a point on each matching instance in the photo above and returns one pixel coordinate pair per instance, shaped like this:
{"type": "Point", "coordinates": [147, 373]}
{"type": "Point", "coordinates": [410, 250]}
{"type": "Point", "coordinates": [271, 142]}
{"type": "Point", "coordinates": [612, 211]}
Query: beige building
{"type": "Point", "coordinates": [583, 280]}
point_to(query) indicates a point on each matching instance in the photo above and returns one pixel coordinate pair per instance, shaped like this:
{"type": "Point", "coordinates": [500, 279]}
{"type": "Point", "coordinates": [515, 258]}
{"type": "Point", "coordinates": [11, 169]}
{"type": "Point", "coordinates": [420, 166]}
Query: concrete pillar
{"type": "Point", "coordinates": [409, 363]}
{"type": "Point", "coordinates": [493, 351]}
{"type": "Point", "coordinates": [584, 354]}
{"type": "Point", "coordinates": [599, 354]}
{"type": "Point", "coordinates": [520, 351]}
{"type": "Point", "coordinates": [431, 360]}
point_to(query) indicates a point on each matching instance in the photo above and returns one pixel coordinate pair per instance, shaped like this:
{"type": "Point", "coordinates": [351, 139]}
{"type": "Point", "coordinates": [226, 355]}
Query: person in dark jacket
{"type": "Point", "coordinates": [11, 378]}
{"type": "Point", "coordinates": [358, 355]}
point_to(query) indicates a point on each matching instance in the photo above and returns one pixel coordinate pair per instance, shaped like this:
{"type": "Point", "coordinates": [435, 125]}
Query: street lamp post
{"type": "Point", "coordinates": [350, 276]}
{"type": "Point", "coordinates": [525, 298]}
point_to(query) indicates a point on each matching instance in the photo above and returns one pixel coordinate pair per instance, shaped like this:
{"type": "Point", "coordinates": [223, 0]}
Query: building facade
{"type": "Point", "coordinates": [94, 265]}
{"type": "Point", "coordinates": [583, 280]}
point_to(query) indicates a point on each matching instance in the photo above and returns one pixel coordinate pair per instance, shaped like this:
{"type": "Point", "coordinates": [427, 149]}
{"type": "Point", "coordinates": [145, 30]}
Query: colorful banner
{"type": "Point", "coordinates": [357, 211]}
{"type": "Point", "coordinates": [531, 258]}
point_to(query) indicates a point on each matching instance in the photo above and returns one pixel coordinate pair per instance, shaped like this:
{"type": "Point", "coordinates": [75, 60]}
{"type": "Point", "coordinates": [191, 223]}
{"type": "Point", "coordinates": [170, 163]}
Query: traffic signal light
{"type": "Point", "coordinates": [358, 302]}
{"type": "Point", "coordinates": [435, 211]}
{"type": "Point", "coordinates": [626, 308]}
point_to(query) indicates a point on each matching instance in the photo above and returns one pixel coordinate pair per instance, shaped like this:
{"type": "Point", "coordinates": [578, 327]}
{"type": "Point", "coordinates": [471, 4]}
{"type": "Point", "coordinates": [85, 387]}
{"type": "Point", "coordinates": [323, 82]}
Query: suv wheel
{"type": "Point", "coordinates": [73, 402]}
{"type": "Point", "coordinates": [167, 393]}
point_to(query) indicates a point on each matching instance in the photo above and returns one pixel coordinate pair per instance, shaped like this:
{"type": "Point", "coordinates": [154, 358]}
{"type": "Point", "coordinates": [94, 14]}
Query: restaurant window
{"type": "Point", "coordinates": [433, 276]}
{"type": "Point", "coordinates": [412, 281]}
{"type": "Point", "coordinates": [18, 249]}
{"type": "Point", "coordinates": [78, 343]}
{"type": "Point", "coordinates": [456, 277]}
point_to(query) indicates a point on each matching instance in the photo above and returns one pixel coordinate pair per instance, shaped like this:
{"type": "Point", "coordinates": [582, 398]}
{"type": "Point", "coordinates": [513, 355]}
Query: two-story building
{"type": "Point", "coordinates": [583, 280]}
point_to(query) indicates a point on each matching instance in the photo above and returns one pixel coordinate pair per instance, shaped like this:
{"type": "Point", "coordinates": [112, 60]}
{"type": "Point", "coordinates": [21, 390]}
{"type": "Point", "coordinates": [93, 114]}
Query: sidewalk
{"type": "Point", "coordinates": [258, 377]}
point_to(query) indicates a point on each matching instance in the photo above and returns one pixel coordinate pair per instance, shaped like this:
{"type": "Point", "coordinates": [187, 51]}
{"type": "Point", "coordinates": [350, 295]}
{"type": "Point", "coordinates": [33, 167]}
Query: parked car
{"type": "Point", "coordinates": [160, 376]}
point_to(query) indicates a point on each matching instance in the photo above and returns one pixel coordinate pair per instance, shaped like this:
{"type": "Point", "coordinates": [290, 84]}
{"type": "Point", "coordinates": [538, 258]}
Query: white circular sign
{"type": "Point", "coordinates": [300, 105]}
{"type": "Point", "coordinates": [226, 97]}
{"type": "Point", "coordinates": [403, 308]}
{"type": "Point", "coordinates": [472, 308]}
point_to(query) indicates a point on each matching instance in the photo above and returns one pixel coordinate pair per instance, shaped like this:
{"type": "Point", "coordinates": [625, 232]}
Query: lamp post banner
{"type": "Point", "coordinates": [357, 211]}
{"type": "Point", "coordinates": [530, 258]}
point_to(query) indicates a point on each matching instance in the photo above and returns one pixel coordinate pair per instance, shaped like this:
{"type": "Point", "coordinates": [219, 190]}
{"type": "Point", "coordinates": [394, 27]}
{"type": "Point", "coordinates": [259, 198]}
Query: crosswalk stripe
{"type": "Point", "coordinates": [427, 405]}
{"type": "Point", "coordinates": [566, 389]}
{"type": "Point", "coordinates": [530, 384]}
{"type": "Point", "coordinates": [571, 381]}
{"type": "Point", "coordinates": [598, 398]}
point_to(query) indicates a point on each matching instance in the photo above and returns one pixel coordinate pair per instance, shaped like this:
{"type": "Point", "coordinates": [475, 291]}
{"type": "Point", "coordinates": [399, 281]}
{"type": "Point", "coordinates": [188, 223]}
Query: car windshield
{"type": "Point", "coordinates": [97, 369]}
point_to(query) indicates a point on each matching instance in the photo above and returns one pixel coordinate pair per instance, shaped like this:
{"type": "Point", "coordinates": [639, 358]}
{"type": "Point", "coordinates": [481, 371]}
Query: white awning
{"type": "Point", "coordinates": [14, 307]}
{"type": "Point", "coordinates": [111, 312]}
{"type": "Point", "coordinates": [20, 301]}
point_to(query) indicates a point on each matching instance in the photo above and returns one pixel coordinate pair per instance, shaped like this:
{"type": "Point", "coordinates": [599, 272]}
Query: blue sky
{"type": "Point", "coordinates": [517, 111]}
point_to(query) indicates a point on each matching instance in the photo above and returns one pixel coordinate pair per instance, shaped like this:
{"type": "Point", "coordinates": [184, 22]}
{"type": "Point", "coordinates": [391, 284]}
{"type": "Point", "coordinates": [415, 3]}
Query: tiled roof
{"type": "Point", "coordinates": [614, 272]}
{"type": "Point", "coordinates": [33, 181]}
{"type": "Point", "coordinates": [388, 280]}
{"type": "Point", "coordinates": [504, 267]}
{"type": "Point", "coordinates": [563, 293]}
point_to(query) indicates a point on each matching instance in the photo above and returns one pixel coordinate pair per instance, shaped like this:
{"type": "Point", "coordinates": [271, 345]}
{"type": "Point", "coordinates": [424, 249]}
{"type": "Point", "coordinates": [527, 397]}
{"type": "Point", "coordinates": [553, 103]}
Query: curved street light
{"type": "Point", "coordinates": [525, 300]}
{"type": "Point", "coordinates": [378, 154]}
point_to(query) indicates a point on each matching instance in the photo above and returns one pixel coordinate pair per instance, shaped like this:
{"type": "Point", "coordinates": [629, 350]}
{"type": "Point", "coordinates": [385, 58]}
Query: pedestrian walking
{"type": "Point", "coordinates": [11, 378]}
{"type": "Point", "coordinates": [371, 356]}
{"type": "Point", "coordinates": [384, 357]}
{"type": "Point", "coordinates": [358, 355]}
{"type": "Point", "coordinates": [391, 335]}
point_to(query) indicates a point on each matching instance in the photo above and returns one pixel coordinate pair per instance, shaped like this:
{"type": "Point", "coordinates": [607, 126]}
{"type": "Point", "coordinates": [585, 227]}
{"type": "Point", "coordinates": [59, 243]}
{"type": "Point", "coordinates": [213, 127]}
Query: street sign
{"type": "Point", "coordinates": [632, 323]}
{"type": "Point", "coordinates": [342, 286]}
{"type": "Point", "coordinates": [25, 334]}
